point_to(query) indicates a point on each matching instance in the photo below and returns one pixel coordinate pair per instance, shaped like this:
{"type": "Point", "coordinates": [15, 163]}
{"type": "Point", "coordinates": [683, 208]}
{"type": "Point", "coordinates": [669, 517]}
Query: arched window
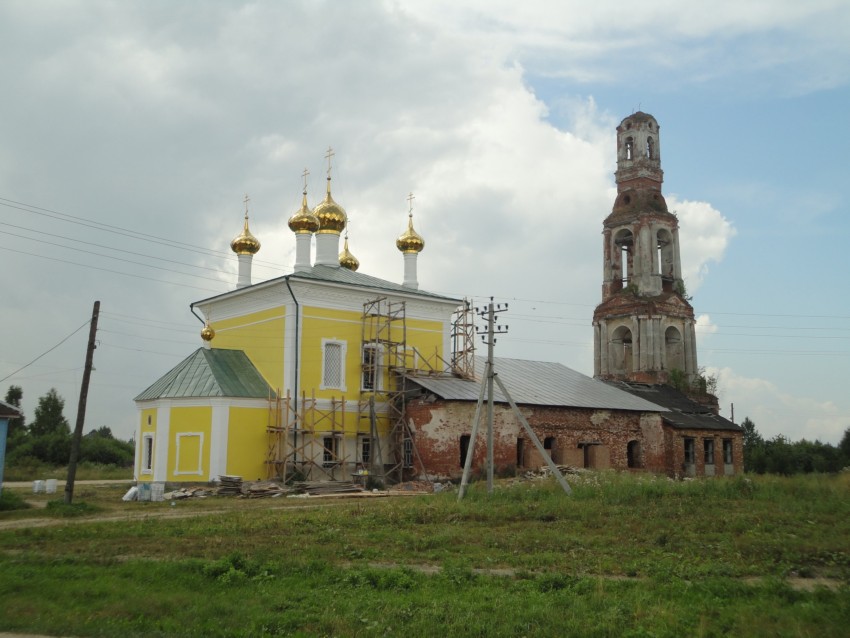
{"type": "Point", "coordinates": [674, 349]}
{"type": "Point", "coordinates": [621, 350]}
{"type": "Point", "coordinates": [664, 248]}
{"type": "Point", "coordinates": [622, 255]}
{"type": "Point", "coordinates": [630, 148]}
{"type": "Point", "coordinates": [650, 148]}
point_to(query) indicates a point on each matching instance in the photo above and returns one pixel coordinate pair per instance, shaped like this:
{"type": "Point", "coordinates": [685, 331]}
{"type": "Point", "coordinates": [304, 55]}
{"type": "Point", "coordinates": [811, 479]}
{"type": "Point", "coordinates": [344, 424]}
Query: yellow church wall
{"type": "Point", "coordinates": [318, 325]}
{"type": "Point", "coordinates": [261, 336]}
{"type": "Point", "coordinates": [247, 443]}
{"type": "Point", "coordinates": [189, 444]}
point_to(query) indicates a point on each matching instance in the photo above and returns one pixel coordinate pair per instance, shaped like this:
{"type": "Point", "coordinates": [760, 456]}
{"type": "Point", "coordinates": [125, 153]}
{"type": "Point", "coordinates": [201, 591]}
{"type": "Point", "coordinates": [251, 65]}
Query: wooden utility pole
{"type": "Point", "coordinates": [81, 407]}
{"type": "Point", "coordinates": [490, 377]}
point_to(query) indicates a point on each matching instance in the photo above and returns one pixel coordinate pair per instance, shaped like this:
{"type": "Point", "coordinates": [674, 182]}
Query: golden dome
{"type": "Point", "coordinates": [207, 333]}
{"type": "Point", "coordinates": [246, 243]}
{"type": "Point", "coordinates": [332, 217]}
{"type": "Point", "coordinates": [304, 221]}
{"type": "Point", "coordinates": [410, 241]}
{"type": "Point", "coordinates": [346, 259]}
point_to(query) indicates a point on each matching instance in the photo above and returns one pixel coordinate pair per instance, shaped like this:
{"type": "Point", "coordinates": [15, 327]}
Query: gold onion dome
{"type": "Point", "coordinates": [332, 217]}
{"type": "Point", "coordinates": [207, 333]}
{"type": "Point", "coordinates": [346, 259]}
{"type": "Point", "coordinates": [304, 221]}
{"type": "Point", "coordinates": [410, 241]}
{"type": "Point", "coordinates": [246, 243]}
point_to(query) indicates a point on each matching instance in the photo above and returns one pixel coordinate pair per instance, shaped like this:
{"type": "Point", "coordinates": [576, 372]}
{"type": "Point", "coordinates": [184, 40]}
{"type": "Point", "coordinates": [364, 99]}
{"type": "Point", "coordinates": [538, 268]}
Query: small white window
{"type": "Point", "coordinates": [365, 449]}
{"type": "Point", "coordinates": [333, 364]}
{"type": "Point", "coordinates": [147, 453]}
{"type": "Point", "coordinates": [371, 378]}
{"type": "Point", "coordinates": [330, 451]}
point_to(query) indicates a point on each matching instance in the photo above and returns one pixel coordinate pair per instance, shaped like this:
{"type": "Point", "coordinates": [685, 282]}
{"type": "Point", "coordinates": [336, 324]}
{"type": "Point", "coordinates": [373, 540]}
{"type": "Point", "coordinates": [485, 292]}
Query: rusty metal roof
{"type": "Point", "coordinates": [539, 383]}
{"type": "Point", "coordinates": [210, 372]}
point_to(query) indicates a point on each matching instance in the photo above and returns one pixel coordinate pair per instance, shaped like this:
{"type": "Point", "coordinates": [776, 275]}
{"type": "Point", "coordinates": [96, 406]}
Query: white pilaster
{"type": "Point", "coordinates": [218, 439]}
{"type": "Point", "coordinates": [163, 433]}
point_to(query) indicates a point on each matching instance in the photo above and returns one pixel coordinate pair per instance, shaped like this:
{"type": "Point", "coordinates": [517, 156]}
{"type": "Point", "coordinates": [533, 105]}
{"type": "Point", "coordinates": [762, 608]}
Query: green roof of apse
{"type": "Point", "coordinates": [210, 372]}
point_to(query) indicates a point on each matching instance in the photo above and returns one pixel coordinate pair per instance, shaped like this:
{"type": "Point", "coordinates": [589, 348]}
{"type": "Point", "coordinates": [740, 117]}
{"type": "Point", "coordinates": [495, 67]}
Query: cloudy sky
{"type": "Point", "coordinates": [130, 133]}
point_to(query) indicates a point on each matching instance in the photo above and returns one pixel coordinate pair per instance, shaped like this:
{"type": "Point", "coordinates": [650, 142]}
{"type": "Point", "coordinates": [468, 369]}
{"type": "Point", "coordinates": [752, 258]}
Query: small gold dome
{"type": "Point", "coordinates": [410, 241]}
{"type": "Point", "coordinates": [346, 259]}
{"type": "Point", "coordinates": [246, 243]}
{"type": "Point", "coordinates": [304, 221]}
{"type": "Point", "coordinates": [207, 333]}
{"type": "Point", "coordinates": [332, 217]}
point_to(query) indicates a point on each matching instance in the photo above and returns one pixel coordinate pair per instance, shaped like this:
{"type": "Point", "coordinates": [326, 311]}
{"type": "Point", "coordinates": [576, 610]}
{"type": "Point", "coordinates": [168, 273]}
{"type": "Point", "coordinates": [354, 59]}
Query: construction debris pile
{"type": "Point", "coordinates": [544, 472]}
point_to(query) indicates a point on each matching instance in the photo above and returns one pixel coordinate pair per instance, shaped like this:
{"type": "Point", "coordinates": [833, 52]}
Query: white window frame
{"type": "Point", "coordinates": [378, 378]}
{"type": "Point", "coordinates": [200, 470]}
{"type": "Point", "coordinates": [365, 442]}
{"type": "Point", "coordinates": [147, 453]}
{"type": "Point", "coordinates": [343, 348]}
{"type": "Point", "coordinates": [331, 456]}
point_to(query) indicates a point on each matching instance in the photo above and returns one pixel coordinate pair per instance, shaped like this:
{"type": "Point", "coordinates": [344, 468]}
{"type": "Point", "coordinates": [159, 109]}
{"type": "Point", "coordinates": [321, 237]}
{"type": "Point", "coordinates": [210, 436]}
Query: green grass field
{"type": "Point", "coordinates": [624, 556]}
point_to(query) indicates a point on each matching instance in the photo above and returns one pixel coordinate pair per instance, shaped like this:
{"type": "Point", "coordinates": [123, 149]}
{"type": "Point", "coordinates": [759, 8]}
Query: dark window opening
{"type": "Point", "coordinates": [330, 451]}
{"type": "Point", "coordinates": [650, 148]}
{"type": "Point", "coordinates": [633, 454]}
{"type": "Point", "coordinates": [464, 448]}
{"type": "Point", "coordinates": [408, 452]}
{"type": "Point", "coordinates": [520, 452]}
{"type": "Point", "coordinates": [365, 450]}
{"type": "Point", "coordinates": [727, 451]}
{"type": "Point", "coordinates": [370, 367]}
{"type": "Point", "coordinates": [690, 452]}
{"type": "Point", "coordinates": [630, 147]}
{"type": "Point", "coordinates": [708, 449]}
{"type": "Point", "coordinates": [147, 462]}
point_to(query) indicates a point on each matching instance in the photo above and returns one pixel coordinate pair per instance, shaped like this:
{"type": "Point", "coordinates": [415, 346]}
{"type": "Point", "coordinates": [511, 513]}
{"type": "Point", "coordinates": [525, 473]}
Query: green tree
{"type": "Point", "coordinates": [844, 446]}
{"type": "Point", "coordinates": [752, 437]}
{"type": "Point", "coordinates": [17, 427]}
{"type": "Point", "coordinates": [48, 416]}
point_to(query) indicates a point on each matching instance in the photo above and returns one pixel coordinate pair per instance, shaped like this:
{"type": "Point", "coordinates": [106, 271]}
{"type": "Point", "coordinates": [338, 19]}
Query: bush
{"type": "Point", "coordinates": [97, 449]}
{"type": "Point", "coordinates": [11, 501]}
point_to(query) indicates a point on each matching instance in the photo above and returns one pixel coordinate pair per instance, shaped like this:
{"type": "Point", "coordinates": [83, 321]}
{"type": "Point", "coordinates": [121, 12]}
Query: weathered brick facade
{"type": "Point", "coordinates": [580, 437]}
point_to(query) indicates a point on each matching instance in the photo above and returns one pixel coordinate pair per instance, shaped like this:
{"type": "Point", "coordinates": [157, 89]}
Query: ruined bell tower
{"type": "Point", "coordinates": [644, 327]}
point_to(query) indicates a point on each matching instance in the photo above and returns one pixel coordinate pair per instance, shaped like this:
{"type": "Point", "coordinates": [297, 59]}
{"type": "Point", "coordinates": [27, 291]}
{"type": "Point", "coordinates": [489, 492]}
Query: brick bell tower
{"type": "Point", "coordinates": [644, 327]}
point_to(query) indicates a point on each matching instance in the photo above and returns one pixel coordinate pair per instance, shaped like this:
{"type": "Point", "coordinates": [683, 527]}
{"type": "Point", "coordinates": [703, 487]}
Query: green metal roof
{"type": "Point", "coordinates": [210, 372]}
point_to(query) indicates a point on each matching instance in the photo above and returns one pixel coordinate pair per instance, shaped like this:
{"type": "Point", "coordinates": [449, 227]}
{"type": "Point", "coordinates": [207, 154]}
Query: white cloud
{"type": "Point", "coordinates": [704, 235]}
{"type": "Point", "coordinates": [775, 411]}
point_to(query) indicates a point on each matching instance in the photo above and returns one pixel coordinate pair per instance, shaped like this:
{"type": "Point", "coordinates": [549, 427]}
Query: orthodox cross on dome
{"type": "Point", "coordinates": [410, 199]}
{"type": "Point", "coordinates": [304, 177]}
{"type": "Point", "coordinates": [246, 200]}
{"type": "Point", "coordinates": [328, 156]}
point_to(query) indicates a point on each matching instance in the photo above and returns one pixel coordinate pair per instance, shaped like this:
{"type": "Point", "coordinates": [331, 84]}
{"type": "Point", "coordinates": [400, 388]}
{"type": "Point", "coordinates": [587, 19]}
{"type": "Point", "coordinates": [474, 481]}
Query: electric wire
{"type": "Point", "coordinates": [46, 352]}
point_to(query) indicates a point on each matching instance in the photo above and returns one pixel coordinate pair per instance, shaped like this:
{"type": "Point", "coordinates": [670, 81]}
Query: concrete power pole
{"type": "Point", "coordinates": [81, 407]}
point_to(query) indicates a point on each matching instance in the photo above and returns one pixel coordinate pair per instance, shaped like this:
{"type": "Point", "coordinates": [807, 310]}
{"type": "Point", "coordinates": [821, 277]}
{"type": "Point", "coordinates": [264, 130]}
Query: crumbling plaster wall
{"type": "Point", "coordinates": [438, 426]}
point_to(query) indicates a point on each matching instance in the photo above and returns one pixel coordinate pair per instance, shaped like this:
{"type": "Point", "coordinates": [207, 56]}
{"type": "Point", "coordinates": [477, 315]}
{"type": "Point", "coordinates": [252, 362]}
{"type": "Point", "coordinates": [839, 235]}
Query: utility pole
{"type": "Point", "coordinates": [81, 407]}
{"type": "Point", "coordinates": [487, 381]}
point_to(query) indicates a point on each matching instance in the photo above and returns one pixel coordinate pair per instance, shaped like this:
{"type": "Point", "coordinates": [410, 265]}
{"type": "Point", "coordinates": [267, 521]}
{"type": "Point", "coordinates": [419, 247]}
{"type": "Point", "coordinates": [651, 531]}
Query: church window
{"type": "Point", "coordinates": [464, 448]}
{"type": "Point", "coordinates": [520, 452]}
{"type": "Point", "coordinates": [690, 452]}
{"type": "Point", "coordinates": [147, 453]}
{"type": "Point", "coordinates": [664, 254]}
{"type": "Point", "coordinates": [727, 451]}
{"type": "Point", "coordinates": [622, 255]}
{"type": "Point", "coordinates": [650, 148]}
{"type": "Point", "coordinates": [630, 148]}
{"type": "Point", "coordinates": [330, 451]}
{"type": "Point", "coordinates": [365, 449]}
{"type": "Point", "coordinates": [708, 450]}
{"type": "Point", "coordinates": [333, 364]}
{"type": "Point", "coordinates": [371, 360]}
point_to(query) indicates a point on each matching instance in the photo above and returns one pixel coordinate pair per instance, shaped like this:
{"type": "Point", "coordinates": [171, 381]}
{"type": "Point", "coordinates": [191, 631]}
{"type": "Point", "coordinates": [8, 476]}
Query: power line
{"type": "Point", "coordinates": [46, 352]}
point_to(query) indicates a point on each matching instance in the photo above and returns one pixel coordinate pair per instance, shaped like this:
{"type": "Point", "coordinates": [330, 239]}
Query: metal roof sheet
{"type": "Point", "coordinates": [210, 372]}
{"type": "Point", "coordinates": [9, 411]}
{"type": "Point", "coordinates": [684, 412]}
{"type": "Point", "coordinates": [539, 383]}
